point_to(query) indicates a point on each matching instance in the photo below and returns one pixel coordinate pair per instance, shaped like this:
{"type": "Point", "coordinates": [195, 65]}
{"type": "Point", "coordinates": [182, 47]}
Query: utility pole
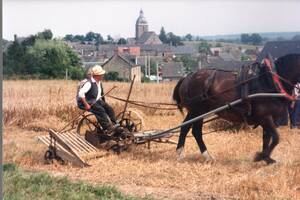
{"type": "Point", "coordinates": [66, 73]}
{"type": "Point", "coordinates": [157, 73]}
{"type": "Point", "coordinates": [149, 65]}
{"type": "Point", "coordinates": [146, 65]}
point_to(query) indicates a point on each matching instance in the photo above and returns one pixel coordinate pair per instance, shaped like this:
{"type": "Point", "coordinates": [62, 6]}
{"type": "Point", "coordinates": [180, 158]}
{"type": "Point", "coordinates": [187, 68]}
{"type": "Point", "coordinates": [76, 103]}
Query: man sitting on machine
{"type": "Point", "coordinates": [90, 97]}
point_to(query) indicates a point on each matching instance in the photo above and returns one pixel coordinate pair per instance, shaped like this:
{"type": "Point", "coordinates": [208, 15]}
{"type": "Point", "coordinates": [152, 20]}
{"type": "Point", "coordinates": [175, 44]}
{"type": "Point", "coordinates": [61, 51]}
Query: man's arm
{"type": "Point", "coordinates": [87, 106]}
{"type": "Point", "coordinates": [102, 92]}
{"type": "Point", "coordinates": [81, 94]}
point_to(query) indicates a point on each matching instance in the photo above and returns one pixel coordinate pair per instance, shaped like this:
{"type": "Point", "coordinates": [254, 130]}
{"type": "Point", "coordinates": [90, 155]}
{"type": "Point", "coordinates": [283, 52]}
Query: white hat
{"type": "Point", "coordinates": [97, 70]}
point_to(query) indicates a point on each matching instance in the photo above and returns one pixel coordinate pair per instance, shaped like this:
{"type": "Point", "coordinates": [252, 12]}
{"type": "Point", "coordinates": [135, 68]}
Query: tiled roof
{"type": "Point", "coordinates": [157, 47]}
{"type": "Point", "coordinates": [122, 57]}
{"type": "Point", "coordinates": [229, 65]}
{"type": "Point", "coordinates": [172, 69]}
{"type": "Point", "coordinates": [183, 50]}
{"type": "Point", "coordinates": [279, 48]}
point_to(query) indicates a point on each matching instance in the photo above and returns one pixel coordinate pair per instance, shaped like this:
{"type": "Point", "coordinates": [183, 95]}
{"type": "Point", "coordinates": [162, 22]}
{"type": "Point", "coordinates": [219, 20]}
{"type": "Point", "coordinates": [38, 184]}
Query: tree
{"type": "Point", "coordinates": [189, 64]}
{"type": "Point", "coordinates": [174, 39]}
{"type": "Point", "coordinates": [204, 48]}
{"type": "Point", "coordinates": [110, 39]}
{"type": "Point", "coordinates": [39, 56]}
{"type": "Point", "coordinates": [122, 41]}
{"type": "Point", "coordinates": [256, 39]}
{"type": "Point", "coordinates": [13, 59]}
{"type": "Point", "coordinates": [69, 37]}
{"type": "Point", "coordinates": [46, 34]}
{"type": "Point", "coordinates": [29, 41]}
{"type": "Point", "coordinates": [188, 37]}
{"type": "Point", "coordinates": [162, 36]}
{"type": "Point", "coordinates": [90, 36]}
{"type": "Point", "coordinates": [78, 38]}
{"type": "Point", "coordinates": [245, 38]}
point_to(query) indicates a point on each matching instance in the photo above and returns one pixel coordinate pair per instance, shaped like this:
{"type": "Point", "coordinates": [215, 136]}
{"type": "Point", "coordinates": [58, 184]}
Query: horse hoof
{"type": "Point", "coordinates": [180, 153]}
{"type": "Point", "coordinates": [208, 157]}
{"type": "Point", "coordinates": [259, 156]}
{"type": "Point", "coordinates": [269, 161]}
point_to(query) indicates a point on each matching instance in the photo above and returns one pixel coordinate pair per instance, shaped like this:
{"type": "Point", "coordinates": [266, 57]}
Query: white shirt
{"type": "Point", "coordinates": [296, 91]}
{"type": "Point", "coordinates": [87, 86]}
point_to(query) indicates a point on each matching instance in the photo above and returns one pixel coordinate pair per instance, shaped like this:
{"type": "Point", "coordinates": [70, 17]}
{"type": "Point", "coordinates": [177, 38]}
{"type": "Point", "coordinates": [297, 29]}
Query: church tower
{"type": "Point", "coordinates": [141, 25]}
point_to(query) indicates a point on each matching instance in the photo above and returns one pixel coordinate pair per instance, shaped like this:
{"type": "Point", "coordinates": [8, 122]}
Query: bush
{"type": "Point", "coordinates": [145, 79]}
{"type": "Point", "coordinates": [76, 73]}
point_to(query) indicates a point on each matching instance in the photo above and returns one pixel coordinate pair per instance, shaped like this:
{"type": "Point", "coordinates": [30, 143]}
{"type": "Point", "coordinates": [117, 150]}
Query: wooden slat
{"type": "Point", "coordinates": [46, 140]}
{"type": "Point", "coordinates": [78, 142]}
{"type": "Point", "coordinates": [83, 141]}
{"type": "Point", "coordinates": [68, 142]}
{"type": "Point", "coordinates": [87, 156]}
{"type": "Point", "coordinates": [73, 143]}
{"type": "Point", "coordinates": [62, 152]}
{"type": "Point", "coordinates": [62, 142]}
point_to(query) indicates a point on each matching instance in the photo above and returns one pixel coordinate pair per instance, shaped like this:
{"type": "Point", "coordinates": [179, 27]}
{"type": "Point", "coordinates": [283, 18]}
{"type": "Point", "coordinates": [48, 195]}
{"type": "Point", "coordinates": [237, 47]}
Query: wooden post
{"type": "Point", "coordinates": [129, 93]}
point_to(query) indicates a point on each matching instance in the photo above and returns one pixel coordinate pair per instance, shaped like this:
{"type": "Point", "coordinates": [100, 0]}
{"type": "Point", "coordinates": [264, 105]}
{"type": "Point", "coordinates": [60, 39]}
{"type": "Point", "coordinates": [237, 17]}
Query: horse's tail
{"type": "Point", "coordinates": [176, 95]}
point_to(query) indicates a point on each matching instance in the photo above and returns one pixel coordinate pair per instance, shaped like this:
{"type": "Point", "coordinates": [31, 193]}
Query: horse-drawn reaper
{"type": "Point", "coordinates": [209, 89]}
{"type": "Point", "coordinates": [258, 96]}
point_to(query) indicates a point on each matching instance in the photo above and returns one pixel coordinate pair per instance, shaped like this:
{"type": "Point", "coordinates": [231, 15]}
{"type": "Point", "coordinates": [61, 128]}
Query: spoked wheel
{"type": "Point", "coordinates": [88, 123]}
{"type": "Point", "coordinates": [132, 121]}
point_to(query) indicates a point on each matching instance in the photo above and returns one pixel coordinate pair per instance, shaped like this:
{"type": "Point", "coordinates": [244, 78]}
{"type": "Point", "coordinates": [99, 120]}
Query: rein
{"type": "Point", "coordinates": [276, 79]}
{"type": "Point", "coordinates": [146, 104]}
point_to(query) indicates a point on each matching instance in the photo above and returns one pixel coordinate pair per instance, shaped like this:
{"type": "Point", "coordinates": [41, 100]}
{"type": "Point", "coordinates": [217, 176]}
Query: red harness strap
{"type": "Point", "coordinates": [277, 81]}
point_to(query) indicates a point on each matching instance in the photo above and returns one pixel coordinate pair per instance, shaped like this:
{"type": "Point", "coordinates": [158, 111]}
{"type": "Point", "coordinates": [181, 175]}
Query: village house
{"type": "Point", "coordinates": [172, 70]}
{"type": "Point", "coordinates": [125, 65]}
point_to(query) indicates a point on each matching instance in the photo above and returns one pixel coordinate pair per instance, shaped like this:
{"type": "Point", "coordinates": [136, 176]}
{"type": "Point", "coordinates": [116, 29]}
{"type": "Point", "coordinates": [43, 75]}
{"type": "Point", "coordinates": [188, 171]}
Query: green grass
{"type": "Point", "coordinates": [20, 184]}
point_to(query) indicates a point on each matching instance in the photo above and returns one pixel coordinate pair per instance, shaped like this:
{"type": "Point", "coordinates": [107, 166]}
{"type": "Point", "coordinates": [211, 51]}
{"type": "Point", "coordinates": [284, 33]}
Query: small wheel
{"type": "Point", "coordinates": [49, 156]}
{"type": "Point", "coordinates": [132, 120]}
{"type": "Point", "coordinates": [88, 123]}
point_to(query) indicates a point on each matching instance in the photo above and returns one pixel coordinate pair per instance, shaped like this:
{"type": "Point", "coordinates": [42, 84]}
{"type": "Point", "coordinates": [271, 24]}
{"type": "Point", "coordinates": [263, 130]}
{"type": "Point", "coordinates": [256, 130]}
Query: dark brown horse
{"type": "Point", "coordinates": [208, 89]}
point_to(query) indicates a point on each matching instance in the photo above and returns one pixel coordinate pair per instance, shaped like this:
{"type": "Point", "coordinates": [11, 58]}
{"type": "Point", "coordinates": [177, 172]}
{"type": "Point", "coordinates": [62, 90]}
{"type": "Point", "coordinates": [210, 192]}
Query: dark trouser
{"type": "Point", "coordinates": [102, 111]}
{"type": "Point", "coordinates": [283, 121]}
{"type": "Point", "coordinates": [295, 114]}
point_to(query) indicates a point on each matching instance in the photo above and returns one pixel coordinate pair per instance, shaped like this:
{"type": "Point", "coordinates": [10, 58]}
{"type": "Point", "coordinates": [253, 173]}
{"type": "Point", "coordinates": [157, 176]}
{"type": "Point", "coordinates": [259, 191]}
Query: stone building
{"type": "Point", "coordinates": [125, 65]}
{"type": "Point", "coordinates": [142, 34]}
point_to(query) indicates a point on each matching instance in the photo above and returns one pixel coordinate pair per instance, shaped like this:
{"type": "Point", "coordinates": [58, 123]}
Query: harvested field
{"type": "Point", "coordinates": [31, 106]}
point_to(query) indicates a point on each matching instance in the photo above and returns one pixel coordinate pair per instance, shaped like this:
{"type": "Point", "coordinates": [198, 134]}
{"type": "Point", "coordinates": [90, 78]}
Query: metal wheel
{"type": "Point", "coordinates": [132, 120]}
{"type": "Point", "coordinates": [88, 123]}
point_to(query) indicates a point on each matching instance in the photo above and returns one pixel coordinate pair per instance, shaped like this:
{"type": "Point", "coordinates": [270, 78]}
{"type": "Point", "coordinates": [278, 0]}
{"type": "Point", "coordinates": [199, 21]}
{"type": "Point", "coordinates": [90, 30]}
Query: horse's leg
{"type": "Point", "coordinates": [197, 133]}
{"type": "Point", "coordinates": [266, 142]}
{"type": "Point", "coordinates": [269, 128]}
{"type": "Point", "coordinates": [183, 132]}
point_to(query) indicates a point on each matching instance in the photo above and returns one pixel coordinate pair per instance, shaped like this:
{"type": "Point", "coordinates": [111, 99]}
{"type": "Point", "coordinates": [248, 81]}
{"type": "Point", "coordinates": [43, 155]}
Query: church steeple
{"type": "Point", "coordinates": [141, 25]}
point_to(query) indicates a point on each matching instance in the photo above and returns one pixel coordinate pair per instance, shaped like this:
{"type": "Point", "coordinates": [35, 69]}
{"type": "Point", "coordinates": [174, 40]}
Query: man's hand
{"type": "Point", "coordinates": [87, 106]}
{"type": "Point", "coordinates": [85, 103]}
{"type": "Point", "coordinates": [292, 105]}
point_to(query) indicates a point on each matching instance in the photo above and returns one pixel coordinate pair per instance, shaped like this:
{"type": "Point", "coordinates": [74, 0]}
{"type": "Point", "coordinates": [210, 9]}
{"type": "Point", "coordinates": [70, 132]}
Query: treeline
{"type": "Point", "coordinates": [40, 56]}
{"type": "Point", "coordinates": [254, 38]}
{"type": "Point", "coordinates": [93, 38]}
{"type": "Point", "coordinates": [169, 38]}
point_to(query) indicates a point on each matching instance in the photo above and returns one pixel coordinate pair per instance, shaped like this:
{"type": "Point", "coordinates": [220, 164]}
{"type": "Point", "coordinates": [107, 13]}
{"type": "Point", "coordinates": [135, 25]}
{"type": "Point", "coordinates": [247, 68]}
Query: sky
{"type": "Point", "coordinates": [117, 17]}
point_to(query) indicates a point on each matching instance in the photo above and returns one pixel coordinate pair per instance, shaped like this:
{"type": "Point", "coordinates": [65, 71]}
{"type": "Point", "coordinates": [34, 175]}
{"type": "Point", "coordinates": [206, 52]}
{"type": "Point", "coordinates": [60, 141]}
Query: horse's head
{"type": "Point", "coordinates": [288, 67]}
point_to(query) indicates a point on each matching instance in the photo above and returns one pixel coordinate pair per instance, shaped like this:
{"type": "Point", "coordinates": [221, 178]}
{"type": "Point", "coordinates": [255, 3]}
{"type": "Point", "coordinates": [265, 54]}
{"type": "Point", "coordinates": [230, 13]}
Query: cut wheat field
{"type": "Point", "coordinates": [30, 107]}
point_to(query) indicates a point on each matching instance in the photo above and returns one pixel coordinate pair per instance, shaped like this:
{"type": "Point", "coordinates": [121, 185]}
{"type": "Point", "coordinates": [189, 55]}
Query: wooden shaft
{"type": "Point", "coordinates": [128, 96]}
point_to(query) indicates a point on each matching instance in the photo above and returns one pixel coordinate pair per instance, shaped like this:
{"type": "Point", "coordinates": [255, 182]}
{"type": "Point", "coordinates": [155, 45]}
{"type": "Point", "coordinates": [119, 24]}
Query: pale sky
{"type": "Point", "coordinates": [117, 18]}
